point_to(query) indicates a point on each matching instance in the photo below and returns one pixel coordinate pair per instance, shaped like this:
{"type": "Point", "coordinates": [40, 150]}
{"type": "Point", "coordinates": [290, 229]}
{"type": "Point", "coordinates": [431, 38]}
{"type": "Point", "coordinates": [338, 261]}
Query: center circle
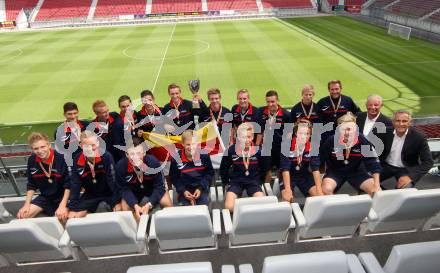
{"type": "Point", "coordinates": [154, 50]}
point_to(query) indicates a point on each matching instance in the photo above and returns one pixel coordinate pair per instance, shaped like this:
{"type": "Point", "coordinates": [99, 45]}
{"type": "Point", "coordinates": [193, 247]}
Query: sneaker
{"type": "Point", "coordinates": [434, 171]}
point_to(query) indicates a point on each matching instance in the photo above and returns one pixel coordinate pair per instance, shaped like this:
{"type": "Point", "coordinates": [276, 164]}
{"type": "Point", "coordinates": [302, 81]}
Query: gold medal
{"type": "Point", "coordinates": [335, 107]}
{"type": "Point", "coordinates": [47, 173]}
{"type": "Point", "coordinates": [246, 173]}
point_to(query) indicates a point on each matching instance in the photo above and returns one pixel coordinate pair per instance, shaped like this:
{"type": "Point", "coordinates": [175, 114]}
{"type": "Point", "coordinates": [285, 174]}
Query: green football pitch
{"type": "Point", "coordinates": [40, 70]}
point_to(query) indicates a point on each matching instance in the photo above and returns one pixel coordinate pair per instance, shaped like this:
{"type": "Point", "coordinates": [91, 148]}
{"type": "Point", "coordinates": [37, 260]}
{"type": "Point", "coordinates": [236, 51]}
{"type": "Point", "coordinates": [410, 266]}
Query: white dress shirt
{"type": "Point", "coordinates": [395, 156]}
{"type": "Point", "coordinates": [369, 123]}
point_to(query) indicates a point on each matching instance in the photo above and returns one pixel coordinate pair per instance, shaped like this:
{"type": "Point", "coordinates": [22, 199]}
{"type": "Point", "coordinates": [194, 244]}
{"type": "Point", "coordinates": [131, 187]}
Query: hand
{"type": "Point", "coordinates": [287, 195]}
{"type": "Point", "coordinates": [188, 195]}
{"type": "Point", "coordinates": [24, 212]}
{"type": "Point", "coordinates": [319, 191]}
{"type": "Point", "coordinates": [138, 210]}
{"type": "Point", "coordinates": [140, 133]}
{"type": "Point", "coordinates": [197, 194]}
{"type": "Point", "coordinates": [403, 181]}
{"type": "Point", "coordinates": [62, 213]}
{"type": "Point", "coordinates": [196, 97]}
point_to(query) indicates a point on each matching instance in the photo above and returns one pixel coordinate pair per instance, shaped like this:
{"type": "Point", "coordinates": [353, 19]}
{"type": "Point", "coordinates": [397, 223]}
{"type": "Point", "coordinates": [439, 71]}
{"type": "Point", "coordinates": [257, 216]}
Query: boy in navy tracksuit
{"type": "Point", "coordinates": [95, 174]}
{"type": "Point", "coordinates": [193, 175]}
{"type": "Point", "coordinates": [215, 111]}
{"type": "Point", "coordinates": [139, 176]}
{"type": "Point", "coordinates": [149, 115]}
{"type": "Point", "coordinates": [128, 116]}
{"type": "Point", "coordinates": [109, 126]}
{"type": "Point", "coordinates": [300, 167]}
{"type": "Point", "coordinates": [47, 172]}
{"type": "Point", "coordinates": [306, 108]}
{"type": "Point", "coordinates": [334, 106]}
{"type": "Point", "coordinates": [244, 111]}
{"type": "Point", "coordinates": [346, 160]}
{"type": "Point", "coordinates": [272, 115]}
{"type": "Point", "coordinates": [185, 111]}
{"type": "Point", "coordinates": [241, 167]}
{"type": "Point", "coordinates": [69, 134]}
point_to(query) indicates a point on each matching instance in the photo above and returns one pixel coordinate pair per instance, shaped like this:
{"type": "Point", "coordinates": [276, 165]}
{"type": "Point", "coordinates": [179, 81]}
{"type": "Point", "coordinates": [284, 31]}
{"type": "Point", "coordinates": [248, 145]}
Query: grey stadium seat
{"type": "Point", "coordinates": [409, 258]}
{"type": "Point", "coordinates": [258, 220]}
{"type": "Point", "coordinates": [34, 240]}
{"type": "Point", "coordinates": [433, 223]}
{"type": "Point", "coordinates": [9, 207]}
{"type": "Point", "coordinates": [197, 267]}
{"type": "Point", "coordinates": [187, 227]}
{"type": "Point", "coordinates": [315, 262]}
{"type": "Point", "coordinates": [401, 210]}
{"type": "Point", "coordinates": [110, 233]}
{"type": "Point", "coordinates": [330, 216]}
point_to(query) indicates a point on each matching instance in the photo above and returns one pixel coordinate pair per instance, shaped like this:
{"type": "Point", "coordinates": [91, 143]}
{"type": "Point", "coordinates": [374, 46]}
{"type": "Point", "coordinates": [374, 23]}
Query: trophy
{"type": "Point", "coordinates": [194, 86]}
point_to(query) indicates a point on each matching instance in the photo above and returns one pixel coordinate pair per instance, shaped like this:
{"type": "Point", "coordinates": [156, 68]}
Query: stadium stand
{"type": "Point", "coordinates": [434, 17]}
{"type": "Point", "coordinates": [172, 6]}
{"type": "Point", "coordinates": [107, 8]}
{"type": "Point", "coordinates": [347, 2]}
{"type": "Point", "coordinates": [13, 7]}
{"type": "Point", "coordinates": [231, 4]}
{"type": "Point", "coordinates": [430, 130]}
{"type": "Point", "coordinates": [381, 3]}
{"type": "Point", "coordinates": [63, 9]}
{"type": "Point", "coordinates": [414, 8]}
{"type": "Point", "coordinates": [268, 4]}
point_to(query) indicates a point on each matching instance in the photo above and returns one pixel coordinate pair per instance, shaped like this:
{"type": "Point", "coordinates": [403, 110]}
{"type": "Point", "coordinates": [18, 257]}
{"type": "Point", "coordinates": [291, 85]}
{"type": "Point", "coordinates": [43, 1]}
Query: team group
{"type": "Point", "coordinates": [132, 179]}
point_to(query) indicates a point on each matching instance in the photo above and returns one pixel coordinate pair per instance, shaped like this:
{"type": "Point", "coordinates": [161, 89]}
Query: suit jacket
{"type": "Point", "coordinates": [360, 121]}
{"type": "Point", "coordinates": [416, 156]}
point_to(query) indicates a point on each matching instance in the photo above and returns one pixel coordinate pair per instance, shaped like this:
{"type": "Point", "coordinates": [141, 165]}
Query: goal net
{"type": "Point", "coordinates": [403, 32]}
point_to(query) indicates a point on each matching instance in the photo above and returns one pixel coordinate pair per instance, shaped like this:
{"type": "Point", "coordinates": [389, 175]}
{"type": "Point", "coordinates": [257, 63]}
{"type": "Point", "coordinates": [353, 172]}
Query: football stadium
{"type": "Point", "coordinates": [271, 136]}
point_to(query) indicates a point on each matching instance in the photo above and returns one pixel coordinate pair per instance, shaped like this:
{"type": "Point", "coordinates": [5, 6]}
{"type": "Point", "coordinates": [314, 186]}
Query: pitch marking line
{"type": "Point", "coordinates": [126, 53]}
{"type": "Point", "coordinates": [163, 58]}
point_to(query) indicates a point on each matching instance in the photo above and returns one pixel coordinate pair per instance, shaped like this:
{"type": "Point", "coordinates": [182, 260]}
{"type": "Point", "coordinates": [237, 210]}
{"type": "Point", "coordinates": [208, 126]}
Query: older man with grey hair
{"type": "Point", "coordinates": [368, 121]}
{"type": "Point", "coordinates": [406, 154]}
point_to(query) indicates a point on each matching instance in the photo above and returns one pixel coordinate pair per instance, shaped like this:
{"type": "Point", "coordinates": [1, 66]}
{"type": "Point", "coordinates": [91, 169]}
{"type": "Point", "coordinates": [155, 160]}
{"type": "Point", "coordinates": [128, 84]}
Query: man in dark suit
{"type": "Point", "coordinates": [406, 154]}
{"type": "Point", "coordinates": [373, 122]}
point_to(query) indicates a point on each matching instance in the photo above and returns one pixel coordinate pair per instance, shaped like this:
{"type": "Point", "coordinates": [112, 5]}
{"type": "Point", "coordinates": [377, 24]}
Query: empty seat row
{"type": "Point", "coordinates": [409, 258]}
{"type": "Point", "coordinates": [261, 220]}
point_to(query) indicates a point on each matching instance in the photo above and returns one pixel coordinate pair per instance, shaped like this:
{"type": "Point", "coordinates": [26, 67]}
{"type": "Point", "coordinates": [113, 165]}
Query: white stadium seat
{"type": "Point", "coordinates": [401, 211]}
{"type": "Point", "coordinates": [108, 234]}
{"type": "Point", "coordinates": [258, 220]}
{"type": "Point", "coordinates": [198, 267]}
{"type": "Point", "coordinates": [409, 258]}
{"type": "Point", "coordinates": [187, 227]}
{"type": "Point", "coordinates": [9, 207]}
{"type": "Point", "coordinates": [433, 223]}
{"type": "Point", "coordinates": [330, 216]}
{"type": "Point", "coordinates": [315, 262]}
{"type": "Point", "coordinates": [34, 240]}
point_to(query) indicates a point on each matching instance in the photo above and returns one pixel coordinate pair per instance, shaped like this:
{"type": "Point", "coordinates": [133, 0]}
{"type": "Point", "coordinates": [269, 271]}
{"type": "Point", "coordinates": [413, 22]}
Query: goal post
{"type": "Point", "coordinates": [401, 31]}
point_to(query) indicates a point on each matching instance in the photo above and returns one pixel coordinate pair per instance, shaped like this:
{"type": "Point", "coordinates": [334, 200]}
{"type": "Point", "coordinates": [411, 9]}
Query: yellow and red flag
{"type": "Point", "coordinates": [208, 138]}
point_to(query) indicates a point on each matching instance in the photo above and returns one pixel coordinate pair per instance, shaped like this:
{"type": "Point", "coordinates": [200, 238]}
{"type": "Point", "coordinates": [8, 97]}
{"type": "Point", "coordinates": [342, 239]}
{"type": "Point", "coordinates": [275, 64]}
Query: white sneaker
{"type": "Point", "coordinates": [434, 171]}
